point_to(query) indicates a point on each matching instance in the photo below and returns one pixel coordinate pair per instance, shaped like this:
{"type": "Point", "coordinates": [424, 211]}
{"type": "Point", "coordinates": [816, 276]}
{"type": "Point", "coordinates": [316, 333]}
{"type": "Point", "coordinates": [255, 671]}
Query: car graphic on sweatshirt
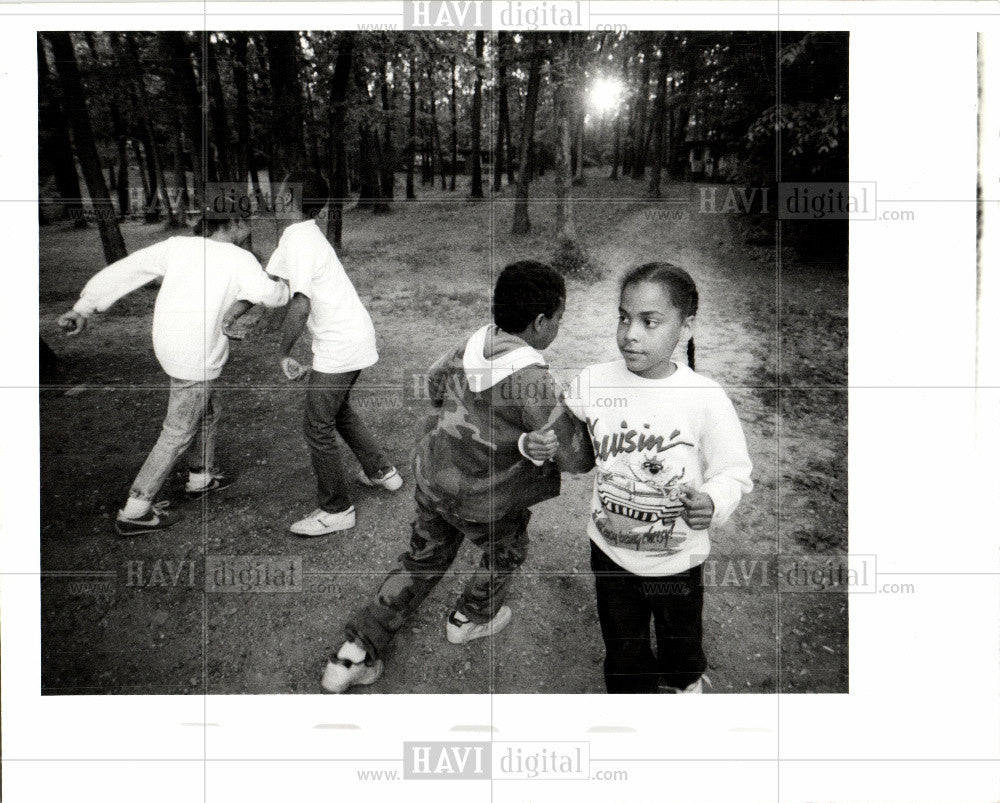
{"type": "Point", "coordinates": [640, 494]}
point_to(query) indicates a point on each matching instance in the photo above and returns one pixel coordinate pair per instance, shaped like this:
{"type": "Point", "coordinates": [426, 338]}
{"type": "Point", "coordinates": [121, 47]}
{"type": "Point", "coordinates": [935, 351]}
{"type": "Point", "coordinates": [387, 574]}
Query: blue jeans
{"type": "Point", "coordinates": [192, 411]}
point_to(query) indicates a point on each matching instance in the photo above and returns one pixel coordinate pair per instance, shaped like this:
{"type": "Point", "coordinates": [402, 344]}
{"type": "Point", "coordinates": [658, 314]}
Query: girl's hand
{"type": "Point", "coordinates": [698, 508]}
{"type": "Point", "coordinates": [541, 445]}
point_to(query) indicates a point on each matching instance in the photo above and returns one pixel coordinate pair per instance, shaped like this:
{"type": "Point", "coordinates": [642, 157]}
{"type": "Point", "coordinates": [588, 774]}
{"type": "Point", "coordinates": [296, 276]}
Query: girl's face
{"type": "Point", "coordinates": [649, 328]}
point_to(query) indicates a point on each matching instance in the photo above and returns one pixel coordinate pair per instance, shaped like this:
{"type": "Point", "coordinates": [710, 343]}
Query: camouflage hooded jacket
{"type": "Point", "coordinates": [490, 391]}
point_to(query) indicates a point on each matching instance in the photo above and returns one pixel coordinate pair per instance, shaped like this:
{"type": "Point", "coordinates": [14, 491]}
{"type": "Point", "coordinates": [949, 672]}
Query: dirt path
{"type": "Point", "coordinates": [425, 274]}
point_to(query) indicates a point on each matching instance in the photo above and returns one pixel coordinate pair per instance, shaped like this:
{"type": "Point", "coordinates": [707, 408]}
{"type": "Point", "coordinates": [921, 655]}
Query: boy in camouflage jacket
{"type": "Point", "coordinates": [478, 469]}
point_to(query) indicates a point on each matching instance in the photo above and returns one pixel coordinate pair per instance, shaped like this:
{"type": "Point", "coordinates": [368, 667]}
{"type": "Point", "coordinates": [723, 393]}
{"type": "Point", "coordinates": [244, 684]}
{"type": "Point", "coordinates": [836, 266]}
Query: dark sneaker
{"type": "Point", "coordinates": [217, 483]}
{"type": "Point", "coordinates": [156, 518]}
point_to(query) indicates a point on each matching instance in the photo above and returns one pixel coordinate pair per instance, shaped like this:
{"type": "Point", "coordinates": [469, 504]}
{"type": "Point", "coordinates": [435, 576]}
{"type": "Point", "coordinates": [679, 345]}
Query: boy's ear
{"type": "Point", "coordinates": [539, 321]}
{"type": "Point", "coordinates": [689, 322]}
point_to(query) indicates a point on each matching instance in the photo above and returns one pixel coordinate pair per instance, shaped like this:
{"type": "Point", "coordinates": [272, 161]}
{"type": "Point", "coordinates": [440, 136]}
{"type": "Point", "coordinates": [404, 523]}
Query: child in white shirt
{"type": "Point", "coordinates": [343, 344]}
{"type": "Point", "coordinates": [671, 461]}
{"type": "Point", "coordinates": [202, 278]}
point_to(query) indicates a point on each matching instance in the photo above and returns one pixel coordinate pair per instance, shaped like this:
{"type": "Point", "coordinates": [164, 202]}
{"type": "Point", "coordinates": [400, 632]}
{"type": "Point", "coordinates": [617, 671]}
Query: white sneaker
{"type": "Point", "coordinates": [341, 674]}
{"type": "Point", "coordinates": [392, 480]}
{"type": "Point", "coordinates": [319, 522]}
{"type": "Point", "coordinates": [460, 630]}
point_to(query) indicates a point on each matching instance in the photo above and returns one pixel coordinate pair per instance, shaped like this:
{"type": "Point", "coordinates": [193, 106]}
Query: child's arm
{"type": "Point", "coordinates": [295, 324]}
{"type": "Point", "coordinates": [547, 415]}
{"type": "Point", "coordinates": [116, 280]}
{"type": "Point", "coordinates": [233, 314]}
{"type": "Point", "coordinates": [727, 463]}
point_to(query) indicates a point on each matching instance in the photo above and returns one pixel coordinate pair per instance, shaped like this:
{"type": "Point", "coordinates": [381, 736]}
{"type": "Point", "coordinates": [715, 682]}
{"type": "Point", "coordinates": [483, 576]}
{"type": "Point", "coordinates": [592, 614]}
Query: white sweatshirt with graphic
{"type": "Point", "coordinates": [201, 280]}
{"type": "Point", "coordinates": [650, 438]}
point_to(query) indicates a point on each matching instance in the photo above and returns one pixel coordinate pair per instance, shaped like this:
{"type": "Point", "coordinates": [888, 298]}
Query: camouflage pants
{"type": "Point", "coordinates": [437, 536]}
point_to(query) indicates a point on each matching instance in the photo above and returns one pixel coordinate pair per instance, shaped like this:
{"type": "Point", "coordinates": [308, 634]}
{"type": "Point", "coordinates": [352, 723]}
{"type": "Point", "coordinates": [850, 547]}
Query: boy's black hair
{"type": "Point", "coordinates": [313, 187]}
{"type": "Point", "coordinates": [677, 282]}
{"type": "Point", "coordinates": [525, 290]}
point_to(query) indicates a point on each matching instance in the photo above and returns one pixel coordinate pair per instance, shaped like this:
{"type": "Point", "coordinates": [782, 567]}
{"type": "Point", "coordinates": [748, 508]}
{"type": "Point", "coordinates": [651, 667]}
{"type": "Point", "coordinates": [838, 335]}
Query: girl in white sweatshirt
{"type": "Point", "coordinates": [671, 461]}
{"type": "Point", "coordinates": [202, 278]}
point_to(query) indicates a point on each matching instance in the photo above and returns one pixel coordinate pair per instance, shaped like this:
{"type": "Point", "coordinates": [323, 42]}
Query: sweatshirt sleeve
{"type": "Point", "coordinates": [122, 277]}
{"type": "Point", "coordinates": [727, 462]}
{"type": "Point", "coordinates": [257, 288]}
{"type": "Point", "coordinates": [546, 407]}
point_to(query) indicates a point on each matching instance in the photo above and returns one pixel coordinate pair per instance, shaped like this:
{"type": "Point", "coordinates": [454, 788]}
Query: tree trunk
{"type": "Point", "coordinates": [124, 203]}
{"type": "Point", "coordinates": [500, 152]}
{"type": "Point", "coordinates": [435, 133]}
{"type": "Point", "coordinates": [692, 56]}
{"type": "Point", "coordinates": [659, 120]}
{"type": "Point", "coordinates": [641, 102]}
{"type": "Point", "coordinates": [227, 169]}
{"type": "Point", "coordinates": [579, 177]}
{"type": "Point", "coordinates": [565, 228]}
{"type": "Point", "coordinates": [388, 158]}
{"type": "Point", "coordinates": [477, 113]}
{"type": "Point", "coordinates": [83, 141]}
{"type": "Point", "coordinates": [287, 147]}
{"type": "Point", "coordinates": [368, 147]}
{"type": "Point", "coordinates": [158, 182]}
{"type": "Point", "coordinates": [242, 106]}
{"type": "Point", "coordinates": [118, 179]}
{"type": "Point", "coordinates": [522, 224]}
{"type": "Point", "coordinates": [60, 152]}
{"type": "Point", "coordinates": [188, 97]}
{"type": "Point", "coordinates": [144, 173]}
{"type": "Point", "coordinates": [338, 137]}
{"type": "Point", "coordinates": [618, 124]}
{"type": "Point", "coordinates": [244, 163]}
{"type": "Point", "coordinates": [426, 148]}
{"type": "Point", "coordinates": [411, 145]}
{"type": "Point", "coordinates": [180, 178]}
{"type": "Point", "coordinates": [454, 126]}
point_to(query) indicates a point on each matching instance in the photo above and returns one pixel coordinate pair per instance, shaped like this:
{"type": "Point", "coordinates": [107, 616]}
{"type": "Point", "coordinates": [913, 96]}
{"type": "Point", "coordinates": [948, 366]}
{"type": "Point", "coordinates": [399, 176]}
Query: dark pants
{"type": "Point", "coordinates": [437, 535]}
{"type": "Point", "coordinates": [625, 603]}
{"type": "Point", "coordinates": [329, 411]}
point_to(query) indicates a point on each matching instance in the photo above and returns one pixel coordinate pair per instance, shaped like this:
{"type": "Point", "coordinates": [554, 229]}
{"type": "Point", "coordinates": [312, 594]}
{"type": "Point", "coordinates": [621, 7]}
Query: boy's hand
{"type": "Point", "coordinates": [72, 322]}
{"type": "Point", "coordinates": [698, 508]}
{"type": "Point", "coordinates": [541, 445]}
{"type": "Point", "coordinates": [292, 368]}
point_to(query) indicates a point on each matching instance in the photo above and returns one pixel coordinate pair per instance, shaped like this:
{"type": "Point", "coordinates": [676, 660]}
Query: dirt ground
{"type": "Point", "coordinates": [111, 624]}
